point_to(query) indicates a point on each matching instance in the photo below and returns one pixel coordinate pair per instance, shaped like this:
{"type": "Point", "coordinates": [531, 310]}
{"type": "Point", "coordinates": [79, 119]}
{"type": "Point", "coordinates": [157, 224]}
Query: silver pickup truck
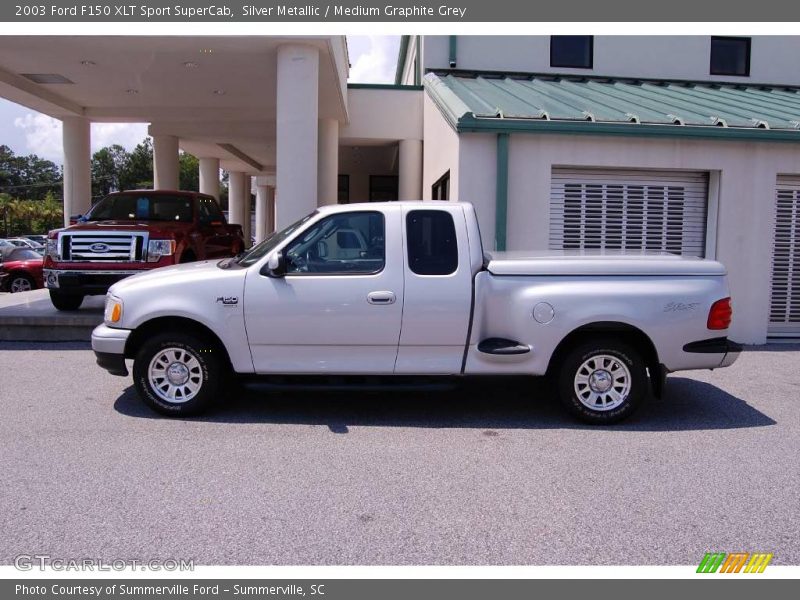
{"type": "Point", "coordinates": [405, 290]}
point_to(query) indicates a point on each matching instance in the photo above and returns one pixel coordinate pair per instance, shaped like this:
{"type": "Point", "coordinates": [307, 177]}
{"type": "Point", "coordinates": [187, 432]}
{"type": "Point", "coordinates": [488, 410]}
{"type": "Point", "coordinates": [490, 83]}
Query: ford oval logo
{"type": "Point", "coordinates": [99, 248]}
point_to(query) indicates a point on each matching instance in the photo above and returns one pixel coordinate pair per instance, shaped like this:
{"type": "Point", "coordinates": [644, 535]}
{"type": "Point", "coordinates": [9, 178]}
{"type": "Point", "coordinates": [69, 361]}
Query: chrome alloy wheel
{"type": "Point", "coordinates": [175, 375]}
{"type": "Point", "coordinates": [20, 284]}
{"type": "Point", "coordinates": [602, 382]}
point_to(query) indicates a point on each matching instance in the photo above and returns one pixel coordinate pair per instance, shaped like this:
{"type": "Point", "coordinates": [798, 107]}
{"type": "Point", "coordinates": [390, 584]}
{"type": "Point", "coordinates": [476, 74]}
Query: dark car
{"type": "Point", "coordinates": [23, 269]}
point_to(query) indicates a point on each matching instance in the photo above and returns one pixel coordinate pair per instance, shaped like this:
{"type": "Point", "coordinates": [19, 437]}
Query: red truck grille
{"type": "Point", "coordinates": [102, 247]}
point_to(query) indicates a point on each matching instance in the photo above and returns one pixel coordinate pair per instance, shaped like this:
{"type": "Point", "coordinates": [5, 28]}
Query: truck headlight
{"type": "Point", "coordinates": [113, 312]}
{"type": "Point", "coordinates": [51, 248]}
{"type": "Point", "coordinates": [158, 248]}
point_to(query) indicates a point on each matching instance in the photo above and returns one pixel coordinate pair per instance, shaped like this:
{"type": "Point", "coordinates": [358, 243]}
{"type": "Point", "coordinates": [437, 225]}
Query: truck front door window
{"type": "Point", "coordinates": [349, 243]}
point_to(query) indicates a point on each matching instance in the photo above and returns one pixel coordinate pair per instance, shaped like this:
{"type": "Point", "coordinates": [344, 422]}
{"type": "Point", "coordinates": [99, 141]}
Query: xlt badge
{"type": "Point", "coordinates": [228, 300]}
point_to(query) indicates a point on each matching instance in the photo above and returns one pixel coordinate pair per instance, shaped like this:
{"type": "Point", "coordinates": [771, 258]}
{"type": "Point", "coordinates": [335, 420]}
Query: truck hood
{"type": "Point", "coordinates": [155, 228]}
{"type": "Point", "coordinates": [562, 262]}
{"type": "Point", "coordinates": [176, 277]}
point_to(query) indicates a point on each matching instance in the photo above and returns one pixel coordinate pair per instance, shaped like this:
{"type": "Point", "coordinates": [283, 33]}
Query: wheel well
{"type": "Point", "coordinates": [622, 331]}
{"type": "Point", "coordinates": [164, 324]}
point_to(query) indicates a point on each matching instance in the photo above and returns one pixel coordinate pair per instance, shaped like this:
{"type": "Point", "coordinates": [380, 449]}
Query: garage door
{"type": "Point", "coordinates": [628, 209]}
{"type": "Point", "coordinates": [784, 313]}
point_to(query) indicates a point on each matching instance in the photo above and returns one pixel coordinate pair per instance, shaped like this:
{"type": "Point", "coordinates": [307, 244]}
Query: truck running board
{"type": "Point", "coordinates": [304, 383]}
{"type": "Point", "coordinates": [502, 346]}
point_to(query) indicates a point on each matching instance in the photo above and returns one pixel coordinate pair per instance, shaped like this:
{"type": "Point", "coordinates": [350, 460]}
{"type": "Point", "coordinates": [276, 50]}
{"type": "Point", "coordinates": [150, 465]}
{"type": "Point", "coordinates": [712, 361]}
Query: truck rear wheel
{"type": "Point", "coordinates": [64, 301]}
{"type": "Point", "coordinates": [178, 375]}
{"type": "Point", "coordinates": [602, 381]}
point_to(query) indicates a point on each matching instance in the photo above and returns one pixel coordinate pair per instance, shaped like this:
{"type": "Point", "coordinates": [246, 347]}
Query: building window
{"type": "Point", "coordinates": [441, 189]}
{"type": "Point", "coordinates": [432, 245]}
{"type": "Point", "coordinates": [572, 51]}
{"type": "Point", "coordinates": [343, 189]}
{"type": "Point", "coordinates": [730, 56]}
{"type": "Point", "coordinates": [382, 188]}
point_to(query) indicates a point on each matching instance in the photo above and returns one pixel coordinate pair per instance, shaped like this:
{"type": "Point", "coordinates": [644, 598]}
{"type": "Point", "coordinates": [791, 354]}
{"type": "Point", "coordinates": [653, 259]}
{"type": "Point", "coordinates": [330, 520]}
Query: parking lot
{"type": "Point", "coordinates": [490, 474]}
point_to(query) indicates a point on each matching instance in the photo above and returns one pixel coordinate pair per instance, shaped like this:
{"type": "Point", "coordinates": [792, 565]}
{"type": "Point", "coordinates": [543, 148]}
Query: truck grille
{"type": "Point", "coordinates": [102, 247]}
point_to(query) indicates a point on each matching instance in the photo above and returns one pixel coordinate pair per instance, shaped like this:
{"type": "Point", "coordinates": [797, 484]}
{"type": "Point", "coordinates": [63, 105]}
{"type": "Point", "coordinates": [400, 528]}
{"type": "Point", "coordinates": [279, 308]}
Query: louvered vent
{"type": "Point", "coordinates": [628, 210]}
{"type": "Point", "coordinates": [784, 312]}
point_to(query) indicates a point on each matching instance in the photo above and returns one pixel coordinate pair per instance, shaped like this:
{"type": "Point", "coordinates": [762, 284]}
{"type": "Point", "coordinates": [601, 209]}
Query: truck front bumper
{"type": "Point", "coordinates": [85, 282]}
{"type": "Point", "coordinates": [721, 345]}
{"type": "Point", "coordinates": [109, 348]}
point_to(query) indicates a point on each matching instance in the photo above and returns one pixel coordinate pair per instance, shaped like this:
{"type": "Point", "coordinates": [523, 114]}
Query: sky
{"type": "Point", "coordinates": [373, 59]}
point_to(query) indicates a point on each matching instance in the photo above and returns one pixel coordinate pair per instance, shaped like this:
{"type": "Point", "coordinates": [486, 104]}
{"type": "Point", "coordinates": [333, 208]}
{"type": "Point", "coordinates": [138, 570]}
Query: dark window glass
{"type": "Point", "coordinates": [142, 207]}
{"type": "Point", "coordinates": [432, 246]}
{"type": "Point", "coordinates": [383, 188]}
{"type": "Point", "coordinates": [572, 51]}
{"type": "Point", "coordinates": [730, 56]}
{"type": "Point", "coordinates": [441, 189]}
{"type": "Point", "coordinates": [210, 212]}
{"type": "Point", "coordinates": [344, 189]}
{"type": "Point", "coordinates": [347, 243]}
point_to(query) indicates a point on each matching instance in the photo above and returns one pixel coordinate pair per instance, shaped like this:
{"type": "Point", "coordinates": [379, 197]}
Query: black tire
{"type": "Point", "coordinates": [20, 278]}
{"type": "Point", "coordinates": [64, 301]}
{"type": "Point", "coordinates": [203, 361]}
{"type": "Point", "coordinates": [187, 257]}
{"type": "Point", "coordinates": [600, 358]}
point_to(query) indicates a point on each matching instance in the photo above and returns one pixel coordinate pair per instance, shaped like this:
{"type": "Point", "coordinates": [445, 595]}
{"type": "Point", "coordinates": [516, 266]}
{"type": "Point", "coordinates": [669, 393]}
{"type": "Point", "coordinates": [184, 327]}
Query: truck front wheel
{"type": "Point", "coordinates": [178, 375]}
{"type": "Point", "coordinates": [602, 381]}
{"type": "Point", "coordinates": [64, 301]}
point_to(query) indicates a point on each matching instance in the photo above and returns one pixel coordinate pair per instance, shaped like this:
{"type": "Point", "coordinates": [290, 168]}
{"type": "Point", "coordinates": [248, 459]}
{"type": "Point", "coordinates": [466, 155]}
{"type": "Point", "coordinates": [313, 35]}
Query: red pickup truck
{"type": "Point", "coordinates": [131, 232]}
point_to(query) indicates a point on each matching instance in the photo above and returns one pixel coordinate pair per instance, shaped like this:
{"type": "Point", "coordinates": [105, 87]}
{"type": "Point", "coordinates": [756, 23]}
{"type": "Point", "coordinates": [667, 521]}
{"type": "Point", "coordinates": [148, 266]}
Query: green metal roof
{"type": "Point", "coordinates": [565, 104]}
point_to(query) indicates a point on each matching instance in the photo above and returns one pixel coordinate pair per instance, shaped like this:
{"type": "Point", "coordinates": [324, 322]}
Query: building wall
{"type": "Point", "coordinates": [773, 58]}
{"type": "Point", "coordinates": [383, 114]}
{"type": "Point", "coordinates": [441, 151]}
{"type": "Point", "coordinates": [746, 171]}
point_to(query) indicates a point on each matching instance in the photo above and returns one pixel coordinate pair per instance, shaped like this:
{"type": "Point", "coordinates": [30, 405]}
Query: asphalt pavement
{"type": "Point", "coordinates": [493, 473]}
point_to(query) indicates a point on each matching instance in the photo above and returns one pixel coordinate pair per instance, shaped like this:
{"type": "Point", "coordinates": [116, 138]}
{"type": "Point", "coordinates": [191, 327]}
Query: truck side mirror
{"type": "Point", "coordinates": [276, 265]}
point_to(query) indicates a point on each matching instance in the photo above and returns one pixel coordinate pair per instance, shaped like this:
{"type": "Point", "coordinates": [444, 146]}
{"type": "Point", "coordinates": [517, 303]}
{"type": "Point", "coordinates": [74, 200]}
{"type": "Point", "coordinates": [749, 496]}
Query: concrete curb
{"type": "Point", "coordinates": [30, 317]}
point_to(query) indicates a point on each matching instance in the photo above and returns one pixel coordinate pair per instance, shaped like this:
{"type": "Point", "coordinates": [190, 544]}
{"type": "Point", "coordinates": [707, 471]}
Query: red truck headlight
{"type": "Point", "coordinates": [719, 317]}
{"type": "Point", "coordinates": [51, 248]}
{"type": "Point", "coordinates": [158, 248]}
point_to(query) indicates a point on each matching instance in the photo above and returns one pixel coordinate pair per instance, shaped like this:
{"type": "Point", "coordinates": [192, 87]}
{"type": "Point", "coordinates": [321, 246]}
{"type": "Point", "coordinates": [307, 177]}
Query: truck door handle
{"type": "Point", "coordinates": [381, 297]}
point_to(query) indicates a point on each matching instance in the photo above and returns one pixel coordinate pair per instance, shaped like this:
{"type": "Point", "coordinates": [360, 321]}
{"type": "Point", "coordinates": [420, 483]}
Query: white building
{"type": "Point", "coordinates": [683, 144]}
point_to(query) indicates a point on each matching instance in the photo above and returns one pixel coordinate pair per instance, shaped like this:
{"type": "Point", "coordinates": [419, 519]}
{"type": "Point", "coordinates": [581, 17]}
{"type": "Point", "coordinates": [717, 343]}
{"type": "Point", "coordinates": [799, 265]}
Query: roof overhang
{"type": "Point", "coordinates": [500, 104]}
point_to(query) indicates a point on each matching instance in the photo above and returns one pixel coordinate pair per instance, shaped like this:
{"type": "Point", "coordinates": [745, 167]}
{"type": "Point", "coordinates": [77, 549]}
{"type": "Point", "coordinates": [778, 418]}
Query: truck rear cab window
{"type": "Point", "coordinates": [432, 245]}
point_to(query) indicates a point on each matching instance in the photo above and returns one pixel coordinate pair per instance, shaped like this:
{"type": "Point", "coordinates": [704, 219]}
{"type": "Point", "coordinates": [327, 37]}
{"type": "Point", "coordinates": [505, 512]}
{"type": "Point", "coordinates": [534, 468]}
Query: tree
{"type": "Point", "coordinates": [138, 170]}
{"type": "Point", "coordinates": [107, 166]}
{"type": "Point", "coordinates": [28, 177]}
{"type": "Point", "coordinates": [189, 172]}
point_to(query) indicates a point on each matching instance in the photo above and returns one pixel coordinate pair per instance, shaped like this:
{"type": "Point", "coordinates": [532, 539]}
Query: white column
{"type": "Point", "coordinates": [76, 137]}
{"type": "Point", "coordinates": [328, 162]}
{"type": "Point", "coordinates": [209, 176]}
{"type": "Point", "coordinates": [265, 205]}
{"type": "Point", "coordinates": [410, 180]}
{"type": "Point", "coordinates": [247, 201]}
{"type": "Point", "coordinates": [165, 162]}
{"type": "Point", "coordinates": [270, 209]}
{"type": "Point", "coordinates": [236, 198]}
{"type": "Point", "coordinates": [296, 135]}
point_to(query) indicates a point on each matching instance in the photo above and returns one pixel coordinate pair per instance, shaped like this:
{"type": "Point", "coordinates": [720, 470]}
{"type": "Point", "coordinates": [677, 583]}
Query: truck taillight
{"type": "Point", "coordinates": [719, 317]}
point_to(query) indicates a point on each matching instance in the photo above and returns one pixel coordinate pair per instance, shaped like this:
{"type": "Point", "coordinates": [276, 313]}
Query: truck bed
{"type": "Point", "coordinates": [564, 262]}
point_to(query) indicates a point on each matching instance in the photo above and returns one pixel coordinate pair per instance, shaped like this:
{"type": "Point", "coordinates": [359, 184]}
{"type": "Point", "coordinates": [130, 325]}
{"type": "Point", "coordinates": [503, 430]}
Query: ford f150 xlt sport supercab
{"type": "Point", "coordinates": [130, 232]}
{"type": "Point", "coordinates": [404, 289]}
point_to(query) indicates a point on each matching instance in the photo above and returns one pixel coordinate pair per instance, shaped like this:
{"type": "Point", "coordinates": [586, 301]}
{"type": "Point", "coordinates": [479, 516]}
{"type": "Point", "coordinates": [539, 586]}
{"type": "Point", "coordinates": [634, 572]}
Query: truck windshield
{"type": "Point", "coordinates": [272, 241]}
{"type": "Point", "coordinates": [142, 207]}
